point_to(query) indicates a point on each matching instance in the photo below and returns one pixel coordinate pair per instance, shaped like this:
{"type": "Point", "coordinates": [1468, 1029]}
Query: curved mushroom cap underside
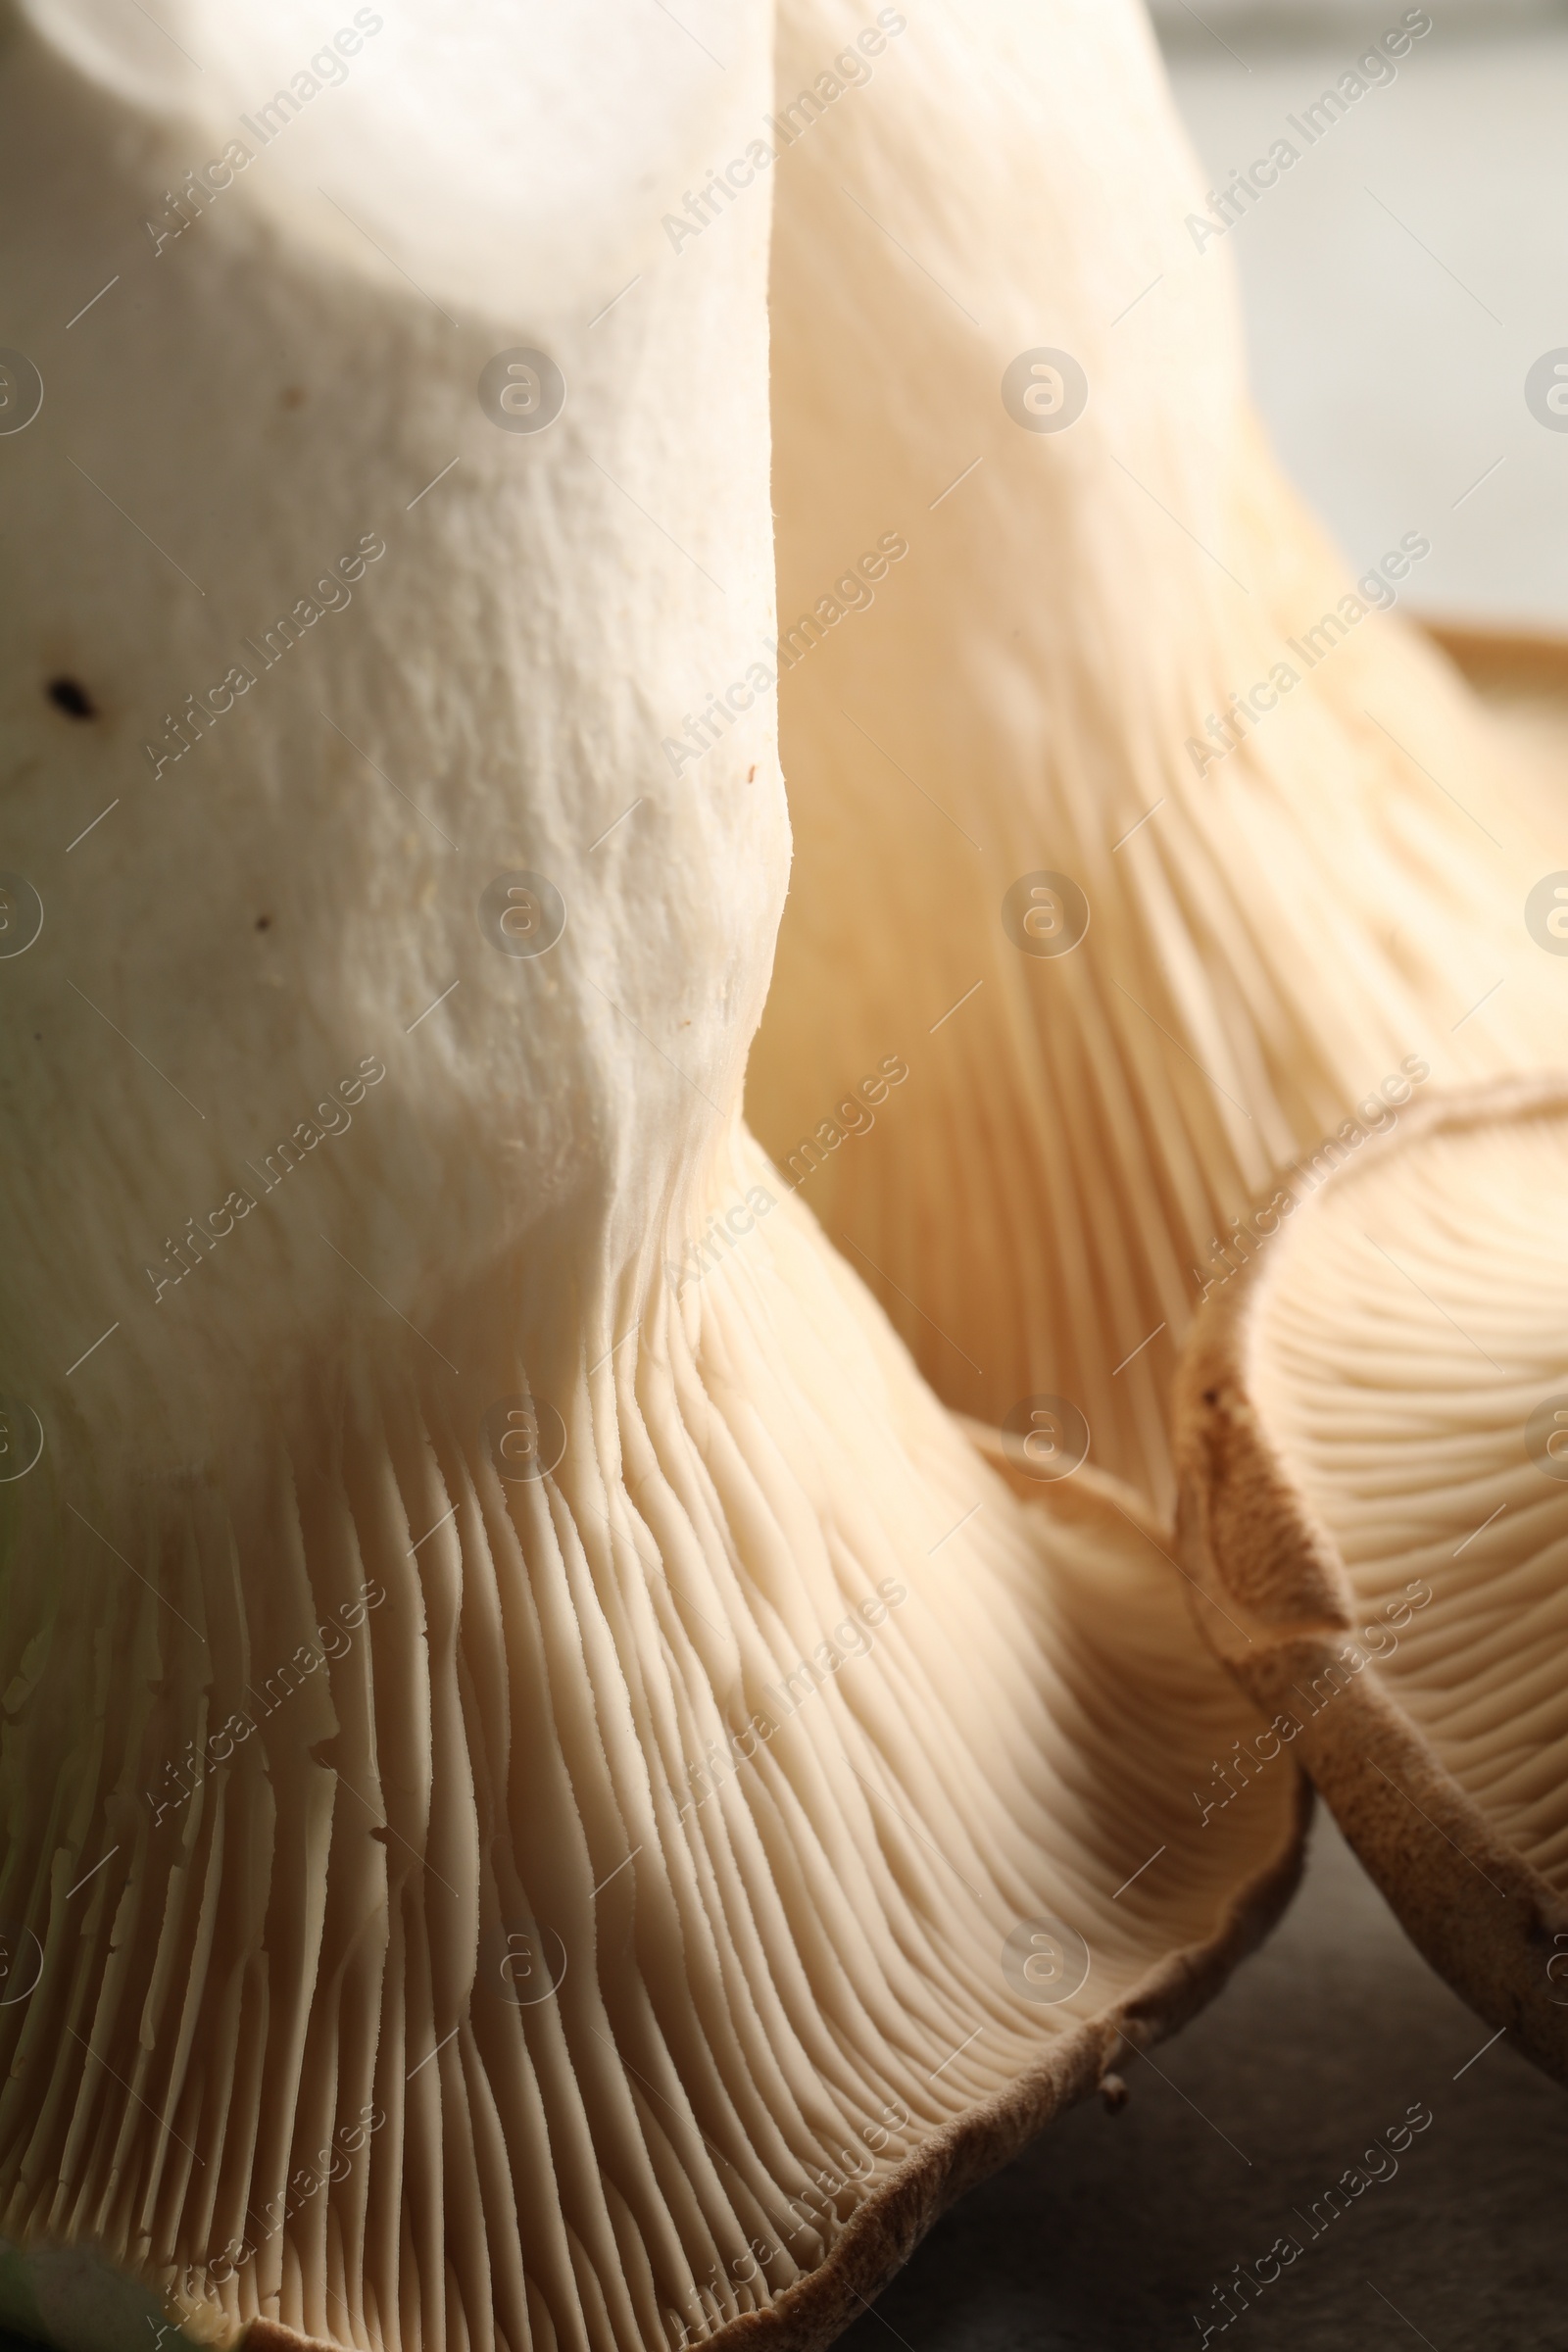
{"type": "Point", "coordinates": [1373, 1432]}
{"type": "Point", "coordinates": [564, 1908]}
{"type": "Point", "coordinates": [1150, 848]}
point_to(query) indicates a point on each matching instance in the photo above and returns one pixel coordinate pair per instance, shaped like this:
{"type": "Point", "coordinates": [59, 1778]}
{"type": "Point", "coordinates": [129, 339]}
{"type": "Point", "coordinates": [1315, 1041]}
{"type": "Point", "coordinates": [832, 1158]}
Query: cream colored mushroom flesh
{"type": "Point", "coordinates": [1372, 1435]}
{"type": "Point", "coordinates": [550, 1796]}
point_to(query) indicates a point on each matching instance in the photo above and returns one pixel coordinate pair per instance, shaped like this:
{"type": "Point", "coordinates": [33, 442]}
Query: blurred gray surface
{"type": "Point", "coordinates": [1109, 2233]}
{"type": "Point", "coordinates": [1297, 19]}
{"type": "Point", "coordinates": [1403, 275]}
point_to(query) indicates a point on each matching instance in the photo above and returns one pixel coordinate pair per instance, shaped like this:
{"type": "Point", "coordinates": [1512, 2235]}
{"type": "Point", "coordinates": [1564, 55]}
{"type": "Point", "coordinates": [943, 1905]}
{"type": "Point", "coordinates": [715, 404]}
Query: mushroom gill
{"type": "Point", "coordinates": [550, 1797]}
{"type": "Point", "coordinates": [1146, 841]}
{"type": "Point", "coordinates": [1372, 1439]}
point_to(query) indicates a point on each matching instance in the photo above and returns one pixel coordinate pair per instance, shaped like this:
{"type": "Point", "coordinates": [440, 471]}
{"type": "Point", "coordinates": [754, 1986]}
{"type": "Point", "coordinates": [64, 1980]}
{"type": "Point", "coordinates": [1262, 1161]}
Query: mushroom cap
{"type": "Point", "coordinates": [509, 1910]}
{"type": "Point", "coordinates": [1370, 1437]}
{"type": "Point", "coordinates": [1116, 651]}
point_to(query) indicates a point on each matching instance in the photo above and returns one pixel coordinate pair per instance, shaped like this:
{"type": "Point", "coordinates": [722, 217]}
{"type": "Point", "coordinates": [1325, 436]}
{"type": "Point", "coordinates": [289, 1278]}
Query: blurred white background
{"type": "Point", "coordinates": [1403, 277]}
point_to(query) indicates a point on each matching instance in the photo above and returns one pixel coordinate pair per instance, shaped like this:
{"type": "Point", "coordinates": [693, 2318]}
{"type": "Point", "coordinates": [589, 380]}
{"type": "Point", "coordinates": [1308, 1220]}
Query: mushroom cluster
{"type": "Point", "coordinates": [554, 1792]}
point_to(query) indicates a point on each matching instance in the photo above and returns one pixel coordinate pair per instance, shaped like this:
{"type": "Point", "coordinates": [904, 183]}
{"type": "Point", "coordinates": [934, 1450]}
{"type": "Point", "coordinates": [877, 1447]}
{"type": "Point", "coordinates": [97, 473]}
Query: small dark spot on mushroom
{"type": "Point", "coordinates": [751, 776]}
{"type": "Point", "coordinates": [38, 1037]}
{"type": "Point", "coordinates": [292, 396]}
{"type": "Point", "coordinates": [263, 923]}
{"type": "Point", "coordinates": [74, 699]}
{"type": "Point", "coordinates": [1211, 1395]}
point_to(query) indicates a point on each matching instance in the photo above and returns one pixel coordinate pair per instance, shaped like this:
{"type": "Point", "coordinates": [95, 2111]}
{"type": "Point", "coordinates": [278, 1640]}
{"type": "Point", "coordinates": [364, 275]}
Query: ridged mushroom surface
{"type": "Point", "coordinates": [1373, 1432]}
{"type": "Point", "coordinates": [1146, 842]}
{"type": "Point", "coordinates": [563, 1910]}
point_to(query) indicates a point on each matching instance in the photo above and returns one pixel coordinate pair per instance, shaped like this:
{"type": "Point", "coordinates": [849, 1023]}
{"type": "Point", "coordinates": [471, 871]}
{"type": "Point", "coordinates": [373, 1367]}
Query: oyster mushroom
{"type": "Point", "coordinates": [1372, 1439]}
{"type": "Point", "coordinates": [550, 1797]}
{"type": "Point", "coordinates": [1146, 841]}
